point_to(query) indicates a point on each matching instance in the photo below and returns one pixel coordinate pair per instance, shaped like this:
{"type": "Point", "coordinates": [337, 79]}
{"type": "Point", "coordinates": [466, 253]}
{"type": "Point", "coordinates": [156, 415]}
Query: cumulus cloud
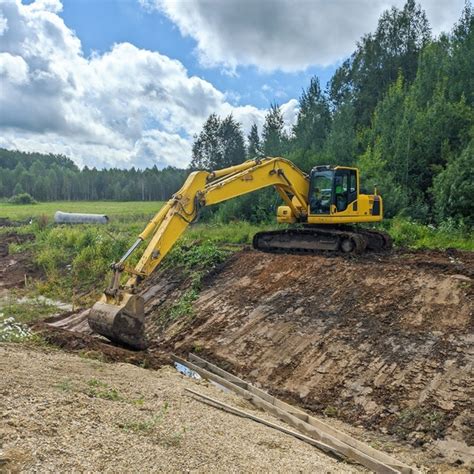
{"type": "Point", "coordinates": [126, 107]}
{"type": "Point", "coordinates": [289, 35]}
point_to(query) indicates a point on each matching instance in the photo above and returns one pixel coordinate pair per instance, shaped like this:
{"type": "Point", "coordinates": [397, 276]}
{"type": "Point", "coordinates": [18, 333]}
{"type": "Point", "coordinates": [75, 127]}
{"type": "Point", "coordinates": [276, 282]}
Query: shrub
{"type": "Point", "coordinates": [23, 198]}
{"type": "Point", "coordinates": [454, 188]}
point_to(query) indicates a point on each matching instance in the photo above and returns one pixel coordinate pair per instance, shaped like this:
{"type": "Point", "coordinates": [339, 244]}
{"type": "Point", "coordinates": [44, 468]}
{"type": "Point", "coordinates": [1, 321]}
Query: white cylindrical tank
{"type": "Point", "coordinates": [77, 218]}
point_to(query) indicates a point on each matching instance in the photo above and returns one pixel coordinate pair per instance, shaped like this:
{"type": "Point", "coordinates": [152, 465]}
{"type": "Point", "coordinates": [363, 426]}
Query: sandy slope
{"type": "Point", "coordinates": [63, 413]}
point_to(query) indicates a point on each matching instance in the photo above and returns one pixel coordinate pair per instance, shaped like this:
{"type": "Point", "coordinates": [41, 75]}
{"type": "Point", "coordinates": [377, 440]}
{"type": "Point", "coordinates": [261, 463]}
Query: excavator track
{"type": "Point", "coordinates": [347, 240]}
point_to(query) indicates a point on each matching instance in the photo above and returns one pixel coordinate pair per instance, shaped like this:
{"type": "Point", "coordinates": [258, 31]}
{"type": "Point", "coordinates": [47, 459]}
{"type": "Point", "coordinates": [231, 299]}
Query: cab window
{"type": "Point", "coordinates": [321, 192]}
{"type": "Point", "coordinates": [345, 189]}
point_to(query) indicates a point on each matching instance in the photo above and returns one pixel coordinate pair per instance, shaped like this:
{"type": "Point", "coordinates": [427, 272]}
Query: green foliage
{"type": "Point", "coordinates": [55, 177]}
{"type": "Point", "coordinates": [422, 419]}
{"type": "Point", "coordinates": [274, 137]}
{"type": "Point", "coordinates": [23, 198]}
{"type": "Point", "coordinates": [236, 232]}
{"type": "Point", "coordinates": [407, 233]}
{"type": "Point", "coordinates": [379, 58]}
{"type": "Point", "coordinates": [77, 259]}
{"type": "Point", "coordinates": [184, 306]}
{"type": "Point", "coordinates": [259, 206]}
{"type": "Point", "coordinates": [454, 188]}
{"type": "Point", "coordinates": [254, 147]}
{"type": "Point", "coordinates": [98, 389]}
{"type": "Point", "coordinates": [197, 256]}
{"type": "Point", "coordinates": [26, 310]}
{"type": "Point", "coordinates": [314, 119]}
{"type": "Point", "coordinates": [219, 145]}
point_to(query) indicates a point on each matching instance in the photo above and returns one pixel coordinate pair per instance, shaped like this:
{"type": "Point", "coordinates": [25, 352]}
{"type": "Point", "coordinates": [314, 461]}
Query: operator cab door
{"type": "Point", "coordinates": [345, 191]}
{"type": "Point", "coordinates": [333, 192]}
{"type": "Point", "coordinates": [321, 192]}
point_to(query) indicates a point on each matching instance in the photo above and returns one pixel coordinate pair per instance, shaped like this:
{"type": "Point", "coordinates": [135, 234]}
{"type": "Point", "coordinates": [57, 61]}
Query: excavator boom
{"type": "Point", "coordinates": [119, 314]}
{"type": "Point", "coordinates": [328, 196]}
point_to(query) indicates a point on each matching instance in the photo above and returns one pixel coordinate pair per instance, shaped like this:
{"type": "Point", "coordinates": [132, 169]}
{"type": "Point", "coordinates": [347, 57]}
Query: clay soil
{"type": "Point", "coordinates": [382, 344]}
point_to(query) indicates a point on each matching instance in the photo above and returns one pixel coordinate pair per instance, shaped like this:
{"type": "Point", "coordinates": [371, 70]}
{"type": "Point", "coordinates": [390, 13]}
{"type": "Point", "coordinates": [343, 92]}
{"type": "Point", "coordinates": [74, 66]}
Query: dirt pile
{"type": "Point", "coordinates": [15, 268]}
{"type": "Point", "coordinates": [384, 342]}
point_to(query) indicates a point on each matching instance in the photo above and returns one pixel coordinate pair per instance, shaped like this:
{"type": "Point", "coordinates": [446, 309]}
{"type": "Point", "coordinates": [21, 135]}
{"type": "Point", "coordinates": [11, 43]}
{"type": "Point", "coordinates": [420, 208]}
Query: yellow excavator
{"type": "Point", "coordinates": [320, 209]}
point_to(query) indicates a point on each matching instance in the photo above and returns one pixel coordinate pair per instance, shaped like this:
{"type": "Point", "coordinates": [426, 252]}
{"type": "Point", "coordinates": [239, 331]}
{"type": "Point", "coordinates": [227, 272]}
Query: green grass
{"type": "Point", "coordinates": [145, 426]}
{"type": "Point", "coordinates": [406, 233]}
{"type": "Point", "coordinates": [115, 210]}
{"type": "Point", "coordinates": [26, 311]}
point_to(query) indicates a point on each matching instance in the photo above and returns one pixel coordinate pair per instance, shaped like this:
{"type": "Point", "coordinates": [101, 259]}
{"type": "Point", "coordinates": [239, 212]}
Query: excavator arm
{"type": "Point", "coordinates": [119, 314]}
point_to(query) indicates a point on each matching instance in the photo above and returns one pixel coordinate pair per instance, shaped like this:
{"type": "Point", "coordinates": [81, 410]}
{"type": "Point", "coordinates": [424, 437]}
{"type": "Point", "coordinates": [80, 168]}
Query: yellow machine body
{"type": "Point", "coordinates": [119, 314]}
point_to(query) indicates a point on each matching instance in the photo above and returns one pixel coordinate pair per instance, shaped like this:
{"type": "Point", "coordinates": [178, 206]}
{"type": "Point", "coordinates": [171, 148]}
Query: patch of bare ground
{"type": "Point", "coordinates": [383, 342]}
{"type": "Point", "coordinates": [63, 413]}
{"type": "Point", "coordinates": [15, 269]}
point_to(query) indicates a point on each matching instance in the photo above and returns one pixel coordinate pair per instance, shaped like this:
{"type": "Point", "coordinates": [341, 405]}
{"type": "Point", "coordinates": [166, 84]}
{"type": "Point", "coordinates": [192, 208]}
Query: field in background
{"type": "Point", "coordinates": [113, 209]}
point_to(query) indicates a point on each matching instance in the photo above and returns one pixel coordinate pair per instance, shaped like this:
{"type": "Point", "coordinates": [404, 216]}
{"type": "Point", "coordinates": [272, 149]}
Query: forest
{"type": "Point", "coordinates": [400, 108]}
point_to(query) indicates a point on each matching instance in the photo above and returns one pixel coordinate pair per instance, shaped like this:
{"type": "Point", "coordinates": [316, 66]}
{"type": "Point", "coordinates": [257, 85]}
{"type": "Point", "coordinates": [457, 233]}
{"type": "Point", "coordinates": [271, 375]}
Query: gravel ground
{"type": "Point", "coordinates": [62, 413]}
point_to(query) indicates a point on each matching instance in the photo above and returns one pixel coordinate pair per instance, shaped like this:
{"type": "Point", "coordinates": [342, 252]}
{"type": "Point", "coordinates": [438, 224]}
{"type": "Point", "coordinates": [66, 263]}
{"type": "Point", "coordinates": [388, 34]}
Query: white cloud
{"type": "Point", "coordinates": [13, 69]}
{"type": "Point", "coordinates": [289, 35]}
{"type": "Point", "coordinates": [127, 107]}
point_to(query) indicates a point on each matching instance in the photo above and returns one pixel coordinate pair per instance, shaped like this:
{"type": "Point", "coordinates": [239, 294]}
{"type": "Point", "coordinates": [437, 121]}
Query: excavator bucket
{"type": "Point", "coordinates": [123, 324]}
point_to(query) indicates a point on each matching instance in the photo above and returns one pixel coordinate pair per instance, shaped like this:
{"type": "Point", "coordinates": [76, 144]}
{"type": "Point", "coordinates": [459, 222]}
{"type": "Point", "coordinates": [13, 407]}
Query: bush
{"type": "Point", "coordinates": [449, 234]}
{"type": "Point", "coordinates": [23, 198]}
{"type": "Point", "coordinates": [454, 188]}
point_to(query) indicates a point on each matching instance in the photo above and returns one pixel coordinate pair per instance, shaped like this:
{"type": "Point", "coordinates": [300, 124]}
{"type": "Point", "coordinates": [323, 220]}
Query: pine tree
{"type": "Point", "coordinates": [232, 143]}
{"type": "Point", "coordinates": [273, 134]}
{"type": "Point", "coordinates": [206, 151]}
{"type": "Point", "coordinates": [314, 118]}
{"type": "Point", "coordinates": [219, 145]}
{"type": "Point", "coordinates": [254, 145]}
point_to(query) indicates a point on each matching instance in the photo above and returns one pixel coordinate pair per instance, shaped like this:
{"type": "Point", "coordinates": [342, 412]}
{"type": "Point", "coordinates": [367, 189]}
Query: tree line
{"type": "Point", "coordinates": [400, 108]}
{"type": "Point", "coordinates": [56, 177]}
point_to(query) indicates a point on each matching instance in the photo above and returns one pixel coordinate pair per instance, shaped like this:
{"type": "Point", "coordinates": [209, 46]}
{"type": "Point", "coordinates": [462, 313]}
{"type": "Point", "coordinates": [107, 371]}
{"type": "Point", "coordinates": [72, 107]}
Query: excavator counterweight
{"type": "Point", "coordinates": [324, 204]}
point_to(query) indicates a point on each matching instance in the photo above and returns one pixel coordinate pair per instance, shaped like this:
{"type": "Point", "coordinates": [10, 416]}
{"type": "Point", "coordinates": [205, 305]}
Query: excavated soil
{"type": "Point", "coordinates": [382, 342]}
{"type": "Point", "coordinates": [62, 413]}
{"type": "Point", "coordinates": [15, 269]}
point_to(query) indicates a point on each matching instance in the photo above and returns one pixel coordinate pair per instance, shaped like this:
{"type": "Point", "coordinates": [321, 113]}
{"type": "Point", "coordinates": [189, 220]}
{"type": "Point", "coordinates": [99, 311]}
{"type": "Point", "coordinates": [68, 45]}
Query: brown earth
{"type": "Point", "coordinates": [382, 342]}
{"type": "Point", "coordinates": [63, 413]}
{"type": "Point", "coordinates": [15, 269]}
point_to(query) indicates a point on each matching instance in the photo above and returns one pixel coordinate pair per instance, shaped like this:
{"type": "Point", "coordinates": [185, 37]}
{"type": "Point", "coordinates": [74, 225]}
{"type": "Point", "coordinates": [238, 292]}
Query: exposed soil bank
{"type": "Point", "coordinates": [383, 342]}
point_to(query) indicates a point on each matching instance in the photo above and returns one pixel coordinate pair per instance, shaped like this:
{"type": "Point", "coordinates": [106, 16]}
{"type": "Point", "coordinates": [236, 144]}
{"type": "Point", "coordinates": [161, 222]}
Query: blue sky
{"type": "Point", "coordinates": [122, 83]}
{"type": "Point", "coordinates": [100, 24]}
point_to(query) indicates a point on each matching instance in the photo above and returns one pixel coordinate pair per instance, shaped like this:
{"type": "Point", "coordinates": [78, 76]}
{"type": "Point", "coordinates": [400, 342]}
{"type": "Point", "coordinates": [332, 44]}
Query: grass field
{"type": "Point", "coordinates": [113, 209]}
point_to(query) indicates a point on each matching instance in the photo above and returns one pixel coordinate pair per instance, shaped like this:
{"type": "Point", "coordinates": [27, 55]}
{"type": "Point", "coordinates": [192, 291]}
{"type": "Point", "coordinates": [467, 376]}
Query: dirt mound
{"type": "Point", "coordinates": [15, 268]}
{"type": "Point", "coordinates": [380, 341]}
{"type": "Point", "coordinates": [62, 413]}
{"type": "Point", "coordinates": [383, 341]}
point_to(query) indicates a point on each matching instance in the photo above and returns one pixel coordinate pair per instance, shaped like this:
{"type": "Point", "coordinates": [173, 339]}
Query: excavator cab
{"type": "Point", "coordinates": [335, 198]}
{"type": "Point", "coordinates": [332, 190]}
